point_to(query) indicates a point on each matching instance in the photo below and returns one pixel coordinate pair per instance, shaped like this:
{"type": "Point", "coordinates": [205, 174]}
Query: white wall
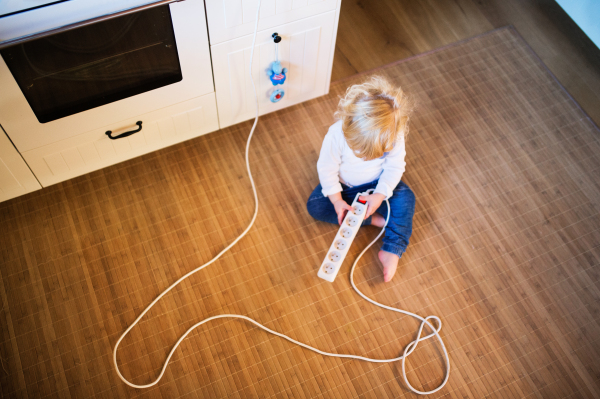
{"type": "Point", "coordinates": [586, 14]}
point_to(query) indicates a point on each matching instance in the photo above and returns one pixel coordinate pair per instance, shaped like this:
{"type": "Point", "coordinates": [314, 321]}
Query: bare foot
{"type": "Point", "coordinates": [377, 220]}
{"type": "Point", "coordinates": [390, 264]}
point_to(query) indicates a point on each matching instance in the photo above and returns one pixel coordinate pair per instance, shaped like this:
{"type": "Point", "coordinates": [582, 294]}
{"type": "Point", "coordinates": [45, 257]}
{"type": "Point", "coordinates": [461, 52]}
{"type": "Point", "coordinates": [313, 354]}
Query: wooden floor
{"type": "Point", "coordinates": [373, 33]}
{"type": "Point", "coordinates": [506, 250]}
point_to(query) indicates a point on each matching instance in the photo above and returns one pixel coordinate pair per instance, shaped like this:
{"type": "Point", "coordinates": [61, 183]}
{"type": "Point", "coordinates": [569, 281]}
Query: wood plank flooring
{"type": "Point", "coordinates": [506, 251]}
{"type": "Point", "coordinates": [376, 32]}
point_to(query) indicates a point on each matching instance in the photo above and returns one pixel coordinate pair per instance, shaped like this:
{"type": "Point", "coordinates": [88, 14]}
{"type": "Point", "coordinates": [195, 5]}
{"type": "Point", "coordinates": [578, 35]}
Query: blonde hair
{"type": "Point", "coordinates": [374, 117]}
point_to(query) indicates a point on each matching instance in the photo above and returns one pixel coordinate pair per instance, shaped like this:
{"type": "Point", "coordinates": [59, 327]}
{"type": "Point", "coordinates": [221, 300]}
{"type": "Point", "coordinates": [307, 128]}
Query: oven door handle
{"type": "Point", "coordinates": [129, 133]}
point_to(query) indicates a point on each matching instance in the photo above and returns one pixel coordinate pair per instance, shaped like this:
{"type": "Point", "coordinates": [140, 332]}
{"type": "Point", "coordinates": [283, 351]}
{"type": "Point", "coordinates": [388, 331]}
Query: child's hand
{"type": "Point", "coordinates": [374, 201]}
{"type": "Point", "coordinates": [341, 208]}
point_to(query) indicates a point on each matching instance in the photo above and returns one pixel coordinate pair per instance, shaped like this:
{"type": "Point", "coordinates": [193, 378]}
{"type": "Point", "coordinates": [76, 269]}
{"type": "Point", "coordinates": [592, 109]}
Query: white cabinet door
{"type": "Point", "coordinates": [230, 19]}
{"type": "Point", "coordinates": [93, 150]}
{"type": "Point", "coordinates": [15, 177]}
{"type": "Point", "coordinates": [306, 50]}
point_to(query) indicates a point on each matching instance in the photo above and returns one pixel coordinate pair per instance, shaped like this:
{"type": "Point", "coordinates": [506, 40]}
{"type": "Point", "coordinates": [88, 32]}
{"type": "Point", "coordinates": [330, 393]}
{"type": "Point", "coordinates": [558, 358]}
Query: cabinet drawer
{"type": "Point", "coordinates": [230, 19]}
{"type": "Point", "coordinates": [93, 150]}
{"type": "Point", "coordinates": [306, 49]}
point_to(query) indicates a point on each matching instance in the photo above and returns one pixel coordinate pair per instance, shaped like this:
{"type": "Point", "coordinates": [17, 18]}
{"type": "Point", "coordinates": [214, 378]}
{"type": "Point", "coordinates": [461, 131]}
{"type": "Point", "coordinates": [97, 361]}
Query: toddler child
{"type": "Point", "coordinates": [365, 150]}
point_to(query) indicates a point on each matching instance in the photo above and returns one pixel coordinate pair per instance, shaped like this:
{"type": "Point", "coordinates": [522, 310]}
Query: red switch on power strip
{"type": "Point", "coordinates": [362, 201]}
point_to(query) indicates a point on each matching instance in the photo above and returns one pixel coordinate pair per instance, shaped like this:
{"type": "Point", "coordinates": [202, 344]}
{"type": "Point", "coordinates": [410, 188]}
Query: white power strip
{"type": "Point", "coordinates": [343, 239]}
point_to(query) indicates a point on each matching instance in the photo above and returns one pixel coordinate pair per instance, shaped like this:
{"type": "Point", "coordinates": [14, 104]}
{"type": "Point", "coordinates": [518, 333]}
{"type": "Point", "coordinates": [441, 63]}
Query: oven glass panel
{"type": "Point", "coordinates": [87, 67]}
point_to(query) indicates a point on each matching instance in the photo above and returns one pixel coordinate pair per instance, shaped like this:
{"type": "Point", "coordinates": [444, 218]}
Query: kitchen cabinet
{"type": "Point", "coordinates": [213, 39]}
{"type": "Point", "coordinates": [15, 177]}
{"type": "Point", "coordinates": [93, 150]}
{"type": "Point", "coordinates": [305, 50]}
{"type": "Point", "coordinates": [232, 19]}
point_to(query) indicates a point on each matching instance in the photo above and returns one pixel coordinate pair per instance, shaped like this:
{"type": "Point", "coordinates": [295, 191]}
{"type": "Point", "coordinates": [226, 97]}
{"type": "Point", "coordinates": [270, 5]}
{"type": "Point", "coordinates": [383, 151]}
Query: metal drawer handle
{"type": "Point", "coordinates": [139, 123]}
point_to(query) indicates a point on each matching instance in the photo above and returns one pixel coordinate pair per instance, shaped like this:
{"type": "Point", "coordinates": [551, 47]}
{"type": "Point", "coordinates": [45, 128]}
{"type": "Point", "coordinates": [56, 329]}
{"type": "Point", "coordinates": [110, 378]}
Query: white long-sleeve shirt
{"type": "Point", "coordinates": [338, 163]}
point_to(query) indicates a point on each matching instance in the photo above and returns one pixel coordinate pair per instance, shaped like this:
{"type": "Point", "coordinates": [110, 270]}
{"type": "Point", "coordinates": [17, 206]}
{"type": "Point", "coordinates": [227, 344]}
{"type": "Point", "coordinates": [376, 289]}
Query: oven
{"type": "Point", "coordinates": [72, 70]}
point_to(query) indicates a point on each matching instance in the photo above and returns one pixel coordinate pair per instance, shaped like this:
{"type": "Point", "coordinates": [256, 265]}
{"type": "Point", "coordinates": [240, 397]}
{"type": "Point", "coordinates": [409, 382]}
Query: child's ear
{"type": "Point", "coordinates": [403, 120]}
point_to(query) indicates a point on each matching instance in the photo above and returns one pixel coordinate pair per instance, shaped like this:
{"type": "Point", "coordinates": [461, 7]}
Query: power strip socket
{"type": "Point", "coordinates": [341, 244]}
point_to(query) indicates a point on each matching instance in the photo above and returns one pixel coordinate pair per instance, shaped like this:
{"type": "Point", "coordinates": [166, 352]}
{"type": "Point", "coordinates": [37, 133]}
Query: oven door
{"type": "Point", "coordinates": [63, 85]}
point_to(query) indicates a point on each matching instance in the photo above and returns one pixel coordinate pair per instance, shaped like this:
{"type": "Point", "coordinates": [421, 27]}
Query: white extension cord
{"type": "Point", "coordinates": [407, 350]}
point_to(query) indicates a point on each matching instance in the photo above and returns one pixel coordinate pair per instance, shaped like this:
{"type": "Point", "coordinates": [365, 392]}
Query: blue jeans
{"type": "Point", "coordinates": [399, 228]}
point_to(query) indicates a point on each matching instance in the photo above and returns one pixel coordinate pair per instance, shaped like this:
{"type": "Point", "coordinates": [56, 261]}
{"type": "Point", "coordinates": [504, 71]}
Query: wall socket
{"type": "Point", "coordinates": [344, 237]}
